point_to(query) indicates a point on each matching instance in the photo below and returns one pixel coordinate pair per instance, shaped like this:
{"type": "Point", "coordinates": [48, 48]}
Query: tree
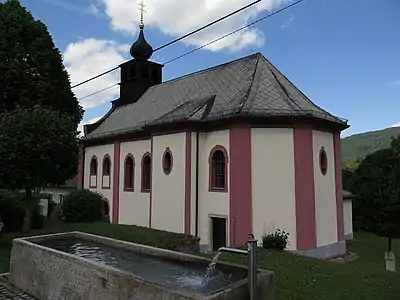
{"type": "Point", "coordinates": [31, 68]}
{"type": "Point", "coordinates": [38, 147]}
{"type": "Point", "coordinates": [377, 182]}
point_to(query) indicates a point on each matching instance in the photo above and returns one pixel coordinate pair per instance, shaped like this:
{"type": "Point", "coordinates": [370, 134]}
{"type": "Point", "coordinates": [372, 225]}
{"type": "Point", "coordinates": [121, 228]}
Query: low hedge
{"type": "Point", "coordinates": [83, 206]}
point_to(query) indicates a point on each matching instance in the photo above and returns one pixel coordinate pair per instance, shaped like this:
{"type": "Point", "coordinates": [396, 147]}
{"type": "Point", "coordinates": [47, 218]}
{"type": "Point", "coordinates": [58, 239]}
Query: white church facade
{"type": "Point", "coordinates": [220, 153]}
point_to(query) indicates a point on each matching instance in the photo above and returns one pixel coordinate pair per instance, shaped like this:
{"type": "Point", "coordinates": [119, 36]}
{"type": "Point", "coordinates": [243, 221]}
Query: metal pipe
{"type": "Point", "coordinates": [233, 250]}
{"type": "Point", "coordinates": [252, 268]}
{"type": "Point", "coordinates": [251, 253]}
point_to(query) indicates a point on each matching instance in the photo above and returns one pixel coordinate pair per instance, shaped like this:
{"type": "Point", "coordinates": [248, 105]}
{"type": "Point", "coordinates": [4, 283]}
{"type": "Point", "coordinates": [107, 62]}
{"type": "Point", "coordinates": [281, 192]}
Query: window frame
{"type": "Point", "coordinates": [212, 170]}
{"type": "Point", "coordinates": [93, 160]}
{"type": "Point", "coordinates": [105, 158]}
{"type": "Point", "coordinates": [167, 171]}
{"type": "Point", "coordinates": [143, 188]}
{"type": "Point", "coordinates": [323, 161]}
{"type": "Point", "coordinates": [126, 188]}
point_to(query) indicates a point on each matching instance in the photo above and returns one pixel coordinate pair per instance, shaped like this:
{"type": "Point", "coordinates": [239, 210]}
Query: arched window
{"type": "Point", "coordinates": [218, 169]}
{"type": "Point", "coordinates": [105, 179]}
{"type": "Point", "coordinates": [93, 172]}
{"type": "Point", "coordinates": [129, 173]}
{"type": "Point", "coordinates": [323, 161]}
{"type": "Point", "coordinates": [146, 173]}
{"type": "Point", "coordinates": [106, 166]}
{"type": "Point", "coordinates": [167, 161]}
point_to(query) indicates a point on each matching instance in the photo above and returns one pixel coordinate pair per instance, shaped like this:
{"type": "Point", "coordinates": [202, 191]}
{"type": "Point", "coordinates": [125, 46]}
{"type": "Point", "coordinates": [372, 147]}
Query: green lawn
{"type": "Point", "coordinates": [297, 277]}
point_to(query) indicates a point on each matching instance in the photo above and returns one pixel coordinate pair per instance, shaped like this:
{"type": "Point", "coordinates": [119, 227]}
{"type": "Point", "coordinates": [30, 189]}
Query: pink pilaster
{"type": "Point", "coordinates": [240, 210]}
{"type": "Point", "coordinates": [304, 188]}
{"type": "Point", "coordinates": [116, 169]}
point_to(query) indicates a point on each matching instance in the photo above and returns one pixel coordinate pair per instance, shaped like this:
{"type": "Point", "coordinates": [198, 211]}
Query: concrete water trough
{"type": "Point", "coordinates": [77, 265]}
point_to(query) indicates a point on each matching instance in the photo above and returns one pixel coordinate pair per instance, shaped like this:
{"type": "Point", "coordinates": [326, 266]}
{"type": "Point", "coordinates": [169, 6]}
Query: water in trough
{"type": "Point", "coordinates": [172, 273]}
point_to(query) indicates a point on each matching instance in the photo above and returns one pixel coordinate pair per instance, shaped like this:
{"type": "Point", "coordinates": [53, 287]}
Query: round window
{"type": "Point", "coordinates": [167, 161]}
{"type": "Point", "coordinates": [323, 161]}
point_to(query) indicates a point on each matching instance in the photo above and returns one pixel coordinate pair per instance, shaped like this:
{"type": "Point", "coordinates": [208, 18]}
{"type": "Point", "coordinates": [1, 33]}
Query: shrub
{"type": "Point", "coordinates": [12, 210]}
{"type": "Point", "coordinates": [82, 206]}
{"type": "Point", "coordinates": [277, 240]}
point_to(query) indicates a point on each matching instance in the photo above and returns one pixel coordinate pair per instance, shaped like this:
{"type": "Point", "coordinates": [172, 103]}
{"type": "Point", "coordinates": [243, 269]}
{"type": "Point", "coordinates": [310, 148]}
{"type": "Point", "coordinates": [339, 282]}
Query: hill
{"type": "Point", "coordinates": [360, 145]}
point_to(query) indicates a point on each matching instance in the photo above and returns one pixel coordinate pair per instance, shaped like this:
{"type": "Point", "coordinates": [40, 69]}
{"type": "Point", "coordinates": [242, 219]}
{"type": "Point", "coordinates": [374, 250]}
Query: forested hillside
{"type": "Point", "coordinates": [360, 145]}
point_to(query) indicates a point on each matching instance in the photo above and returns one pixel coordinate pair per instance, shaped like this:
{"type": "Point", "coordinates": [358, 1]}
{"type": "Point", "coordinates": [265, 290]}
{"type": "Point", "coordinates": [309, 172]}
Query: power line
{"type": "Point", "coordinates": [233, 32]}
{"type": "Point", "coordinates": [204, 45]}
{"type": "Point", "coordinates": [95, 77]}
{"type": "Point", "coordinates": [208, 25]}
{"type": "Point", "coordinates": [99, 91]}
{"type": "Point", "coordinates": [176, 40]}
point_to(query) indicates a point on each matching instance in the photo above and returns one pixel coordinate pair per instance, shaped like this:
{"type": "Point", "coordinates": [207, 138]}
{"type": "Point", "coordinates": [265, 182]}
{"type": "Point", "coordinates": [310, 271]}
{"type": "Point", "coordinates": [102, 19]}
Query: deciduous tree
{"type": "Point", "coordinates": [31, 68]}
{"type": "Point", "coordinates": [38, 147]}
{"type": "Point", "coordinates": [377, 184]}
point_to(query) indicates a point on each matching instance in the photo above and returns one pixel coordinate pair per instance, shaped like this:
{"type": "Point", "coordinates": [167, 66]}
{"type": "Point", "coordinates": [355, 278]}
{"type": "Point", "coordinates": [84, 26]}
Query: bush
{"type": "Point", "coordinates": [277, 240]}
{"type": "Point", "coordinates": [12, 210]}
{"type": "Point", "coordinates": [83, 206]}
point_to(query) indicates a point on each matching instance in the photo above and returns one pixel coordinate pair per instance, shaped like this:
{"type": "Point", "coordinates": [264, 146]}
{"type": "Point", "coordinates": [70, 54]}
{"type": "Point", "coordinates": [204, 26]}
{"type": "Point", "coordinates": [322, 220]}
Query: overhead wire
{"type": "Point", "coordinates": [176, 40]}
{"type": "Point", "coordinates": [202, 46]}
{"type": "Point", "coordinates": [233, 32]}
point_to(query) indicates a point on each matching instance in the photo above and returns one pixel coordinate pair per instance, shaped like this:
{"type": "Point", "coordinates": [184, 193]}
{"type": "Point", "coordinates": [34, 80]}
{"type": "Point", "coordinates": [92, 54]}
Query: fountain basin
{"type": "Point", "coordinates": [77, 265]}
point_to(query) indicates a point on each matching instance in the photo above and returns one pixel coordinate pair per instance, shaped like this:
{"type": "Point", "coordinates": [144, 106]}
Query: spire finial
{"type": "Point", "coordinates": [142, 11]}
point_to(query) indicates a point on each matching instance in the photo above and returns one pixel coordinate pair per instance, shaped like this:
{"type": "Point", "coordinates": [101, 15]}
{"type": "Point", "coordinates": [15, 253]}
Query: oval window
{"type": "Point", "coordinates": [323, 161]}
{"type": "Point", "coordinates": [167, 162]}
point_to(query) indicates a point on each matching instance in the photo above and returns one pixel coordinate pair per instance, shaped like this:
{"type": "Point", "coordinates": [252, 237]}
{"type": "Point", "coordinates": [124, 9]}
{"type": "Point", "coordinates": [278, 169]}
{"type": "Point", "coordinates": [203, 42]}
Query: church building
{"type": "Point", "coordinates": [221, 153]}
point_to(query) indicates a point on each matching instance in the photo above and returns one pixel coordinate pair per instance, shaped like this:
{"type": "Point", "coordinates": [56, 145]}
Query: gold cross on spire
{"type": "Point", "coordinates": [142, 11]}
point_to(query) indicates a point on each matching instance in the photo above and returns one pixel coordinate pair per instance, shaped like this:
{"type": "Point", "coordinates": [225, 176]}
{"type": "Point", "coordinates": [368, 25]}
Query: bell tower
{"type": "Point", "coordinates": [138, 74]}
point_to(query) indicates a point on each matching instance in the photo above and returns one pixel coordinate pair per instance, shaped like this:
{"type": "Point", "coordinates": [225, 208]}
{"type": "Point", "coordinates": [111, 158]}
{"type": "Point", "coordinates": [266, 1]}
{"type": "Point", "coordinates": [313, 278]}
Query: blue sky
{"type": "Point", "coordinates": [343, 54]}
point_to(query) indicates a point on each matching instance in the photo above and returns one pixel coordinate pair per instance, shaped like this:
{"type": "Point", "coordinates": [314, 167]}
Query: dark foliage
{"type": "Point", "coordinates": [377, 185]}
{"type": "Point", "coordinates": [31, 68]}
{"type": "Point", "coordinates": [12, 211]}
{"type": "Point", "coordinates": [38, 147]}
{"type": "Point", "coordinates": [277, 240]}
{"type": "Point", "coordinates": [83, 206]}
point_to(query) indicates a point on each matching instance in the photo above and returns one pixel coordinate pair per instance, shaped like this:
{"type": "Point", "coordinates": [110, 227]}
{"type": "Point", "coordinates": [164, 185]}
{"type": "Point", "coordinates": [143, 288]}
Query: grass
{"type": "Point", "coordinates": [297, 277]}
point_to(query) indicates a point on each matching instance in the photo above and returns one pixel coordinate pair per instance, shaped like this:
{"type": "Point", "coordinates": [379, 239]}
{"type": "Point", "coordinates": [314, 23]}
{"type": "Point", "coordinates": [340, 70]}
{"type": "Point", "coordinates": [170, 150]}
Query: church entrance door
{"type": "Point", "coordinates": [218, 232]}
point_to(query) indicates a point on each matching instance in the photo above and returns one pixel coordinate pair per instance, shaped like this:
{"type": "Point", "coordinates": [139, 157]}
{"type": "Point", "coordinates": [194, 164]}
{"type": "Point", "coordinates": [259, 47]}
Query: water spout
{"type": "Point", "coordinates": [251, 254]}
{"type": "Point", "coordinates": [232, 250]}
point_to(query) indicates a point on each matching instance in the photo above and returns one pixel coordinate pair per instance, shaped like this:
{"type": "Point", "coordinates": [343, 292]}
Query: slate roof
{"type": "Point", "coordinates": [250, 86]}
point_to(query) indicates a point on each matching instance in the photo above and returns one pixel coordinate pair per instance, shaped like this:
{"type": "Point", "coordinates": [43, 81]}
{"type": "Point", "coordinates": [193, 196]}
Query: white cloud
{"type": "Point", "coordinates": [88, 58]}
{"type": "Point", "coordinates": [85, 122]}
{"type": "Point", "coordinates": [289, 21]}
{"type": "Point", "coordinates": [92, 9]}
{"type": "Point", "coordinates": [177, 17]}
{"type": "Point", "coordinates": [396, 125]}
{"type": "Point", "coordinates": [394, 83]}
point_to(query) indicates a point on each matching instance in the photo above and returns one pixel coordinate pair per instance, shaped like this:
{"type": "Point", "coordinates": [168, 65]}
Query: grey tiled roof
{"type": "Point", "coordinates": [250, 86]}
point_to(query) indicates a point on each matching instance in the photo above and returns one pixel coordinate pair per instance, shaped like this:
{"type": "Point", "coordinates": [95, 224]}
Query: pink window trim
{"type": "Point", "coordinates": [323, 161]}
{"type": "Point", "coordinates": [126, 188]}
{"type": "Point", "coordinates": [211, 173]}
{"type": "Point", "coordinates": [142, 188]}
{"type": "Point", "coordinates": [93, 159]}
{"type": "Point", "coordinates": [164, 167]}
{"type": "Point", "coordinates": [109, 173]}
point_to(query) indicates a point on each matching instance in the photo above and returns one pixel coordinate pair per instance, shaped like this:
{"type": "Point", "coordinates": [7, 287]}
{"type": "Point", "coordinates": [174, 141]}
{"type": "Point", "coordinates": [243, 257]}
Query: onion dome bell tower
{"type": "Point", "coordinates": [138, 74]}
